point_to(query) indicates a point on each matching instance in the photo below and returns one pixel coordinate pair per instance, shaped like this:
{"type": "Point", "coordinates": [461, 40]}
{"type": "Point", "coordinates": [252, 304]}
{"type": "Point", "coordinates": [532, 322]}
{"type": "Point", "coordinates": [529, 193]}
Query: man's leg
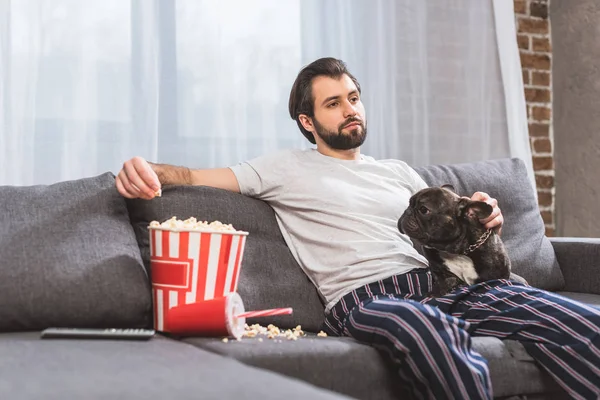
{"type": "Point", "coordinates": [561, 334]}
{"type": "Point", "coordinates": [432, 349]}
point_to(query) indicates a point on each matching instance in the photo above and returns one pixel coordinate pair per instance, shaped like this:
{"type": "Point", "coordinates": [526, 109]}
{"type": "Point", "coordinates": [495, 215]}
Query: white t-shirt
{"type": "Point", "coordinates": [338, 217]}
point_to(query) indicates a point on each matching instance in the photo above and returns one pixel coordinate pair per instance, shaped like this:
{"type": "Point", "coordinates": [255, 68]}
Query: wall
{"type": "Point", "coordinates": [534, 40]}
{"type": "Point", "coordinates": [576, 72]}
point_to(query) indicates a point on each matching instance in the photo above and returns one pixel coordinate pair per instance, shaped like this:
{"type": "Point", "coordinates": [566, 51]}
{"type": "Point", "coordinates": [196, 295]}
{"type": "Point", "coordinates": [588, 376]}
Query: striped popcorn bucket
{"type": "Point", "coordinates": [192, 266]}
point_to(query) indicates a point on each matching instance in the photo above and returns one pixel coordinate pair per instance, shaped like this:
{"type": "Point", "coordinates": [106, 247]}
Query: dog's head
{"type": "Point", "coordinates": [438, 217]}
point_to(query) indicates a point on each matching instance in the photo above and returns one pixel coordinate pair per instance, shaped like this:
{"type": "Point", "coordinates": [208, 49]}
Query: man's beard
{"type": "Point", "coordinates": [343, 141]}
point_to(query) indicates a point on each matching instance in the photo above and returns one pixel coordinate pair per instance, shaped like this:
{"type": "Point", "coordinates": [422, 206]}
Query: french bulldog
{"type": "Point", "coordinates": [458, 247]}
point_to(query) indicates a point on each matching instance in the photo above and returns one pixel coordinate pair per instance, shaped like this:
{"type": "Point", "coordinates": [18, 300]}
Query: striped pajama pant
{"type": "Point", "coordinates": [429, 339]}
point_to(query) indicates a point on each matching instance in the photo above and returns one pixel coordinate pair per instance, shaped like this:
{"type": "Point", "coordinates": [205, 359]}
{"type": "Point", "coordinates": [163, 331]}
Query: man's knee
{"type": "Point", "coordinates": [403, 322]}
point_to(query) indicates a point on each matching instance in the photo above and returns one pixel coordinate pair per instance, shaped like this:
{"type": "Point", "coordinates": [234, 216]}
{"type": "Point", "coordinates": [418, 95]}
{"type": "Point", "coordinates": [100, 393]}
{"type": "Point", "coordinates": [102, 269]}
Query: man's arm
{"type": "Point", "coordinates": [140, 179]}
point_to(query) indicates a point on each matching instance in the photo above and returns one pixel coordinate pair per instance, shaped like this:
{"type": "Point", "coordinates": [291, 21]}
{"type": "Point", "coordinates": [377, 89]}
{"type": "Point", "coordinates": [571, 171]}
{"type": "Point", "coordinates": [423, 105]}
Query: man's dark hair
{"type": "Point", "coordinates": [301, 97]}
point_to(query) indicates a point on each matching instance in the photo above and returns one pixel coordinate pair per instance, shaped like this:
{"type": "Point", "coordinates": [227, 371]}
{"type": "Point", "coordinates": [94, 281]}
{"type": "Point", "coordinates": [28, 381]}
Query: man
{"type": "Point", "coordinates": [338, 210]}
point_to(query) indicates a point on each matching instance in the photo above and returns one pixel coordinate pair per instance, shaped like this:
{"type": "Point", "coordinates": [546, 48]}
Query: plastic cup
{"type": "Point", "coordinates": [216, 317]}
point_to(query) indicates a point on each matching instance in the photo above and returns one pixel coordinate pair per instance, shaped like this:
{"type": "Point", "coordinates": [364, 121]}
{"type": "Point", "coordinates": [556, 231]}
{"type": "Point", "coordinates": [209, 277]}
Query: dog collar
{"type": "Point", "coordinates": [478, 243]}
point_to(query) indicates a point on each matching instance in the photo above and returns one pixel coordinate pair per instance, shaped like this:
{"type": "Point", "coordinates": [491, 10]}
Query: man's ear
{"type": "Point", "coordinates": [306, 122]}
{"type": "Point", "coordinates": [449, 187]}
{"type": "Point", "coordinates": [470, 209]}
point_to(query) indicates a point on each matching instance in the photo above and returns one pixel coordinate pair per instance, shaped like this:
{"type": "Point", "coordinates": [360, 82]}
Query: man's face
{"type": "Point", "coordinates": [339, 115]}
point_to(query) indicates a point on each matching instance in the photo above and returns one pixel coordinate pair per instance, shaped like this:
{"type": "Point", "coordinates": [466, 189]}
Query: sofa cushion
{"type": "Point", "coordinates": [530, 251]}
{"type": "Point", "coordinates": [270, 277]}
{"type": "Point", "coordinates": [159, 369]}
{"type": "Point", "coordinates": [339, 364]}
{"type": "Point", "coordinates": [69, 258]}
{"type": "Point", "coordinates": [332, 363]}
{"type": "Point", "coordinates": [587, 298]}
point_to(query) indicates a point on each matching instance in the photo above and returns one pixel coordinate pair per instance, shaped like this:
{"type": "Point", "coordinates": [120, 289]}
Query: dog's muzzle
{"type": "Point", "coordinates": [408, 225]}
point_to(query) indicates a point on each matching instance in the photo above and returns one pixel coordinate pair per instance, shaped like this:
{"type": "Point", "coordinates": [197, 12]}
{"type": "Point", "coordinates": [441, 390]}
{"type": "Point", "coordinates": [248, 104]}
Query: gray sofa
{"type": "Point", "coordinates": [76, 254]}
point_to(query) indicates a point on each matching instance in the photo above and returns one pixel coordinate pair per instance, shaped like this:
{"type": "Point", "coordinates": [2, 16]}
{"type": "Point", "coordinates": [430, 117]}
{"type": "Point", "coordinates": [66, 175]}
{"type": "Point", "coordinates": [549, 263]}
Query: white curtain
{"type": "Point", "coordinates": [85, 85]}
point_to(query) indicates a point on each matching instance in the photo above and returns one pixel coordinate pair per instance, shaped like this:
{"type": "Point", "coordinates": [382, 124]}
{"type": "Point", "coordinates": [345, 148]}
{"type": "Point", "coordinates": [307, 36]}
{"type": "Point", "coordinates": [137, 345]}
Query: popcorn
{"type": "Point", "coordinates": [322, 334]}
{"type": "Point", "coordinates": [158, 193]}
{"type": "Point", "coordinates": [273, 332]}
{"type": "Point", "coordinates": [251, 334]}
{"type": "Point", "coordinates": [192, 224]}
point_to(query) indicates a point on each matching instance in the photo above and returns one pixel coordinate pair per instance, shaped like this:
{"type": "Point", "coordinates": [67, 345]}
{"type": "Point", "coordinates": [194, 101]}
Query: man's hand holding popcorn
{"type": "Point", "coordinates": [137, 179]}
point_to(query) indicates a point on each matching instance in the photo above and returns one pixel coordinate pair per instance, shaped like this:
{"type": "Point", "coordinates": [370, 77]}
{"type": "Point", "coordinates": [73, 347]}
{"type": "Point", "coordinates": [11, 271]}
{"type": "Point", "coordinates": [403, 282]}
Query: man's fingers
{"type": "Point", "coordinates": [137, 179]}
{"type": "Point", "coordinates": [132, 190]}
{"type": "Point", "coordinates": [480, 196]}
{"type": "Point", "coordinates": [132, 171]}
{"type": "Point", "coordinates": [147, 174]}
{"type": "Point", "coordinates": [124, 192]}
{"type": "Point", "coordinates": [495, 224]}
{"type": "Point", "coordinates": [495, 214]}
{"type": "Point", "coordinates": [495, 220]}
{"type": "Point", "coordinates": [129, 190]}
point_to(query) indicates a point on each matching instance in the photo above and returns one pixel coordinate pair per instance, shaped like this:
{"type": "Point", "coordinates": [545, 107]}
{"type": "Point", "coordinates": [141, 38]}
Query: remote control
{"type": "Point", "coordinates": [85, 333]}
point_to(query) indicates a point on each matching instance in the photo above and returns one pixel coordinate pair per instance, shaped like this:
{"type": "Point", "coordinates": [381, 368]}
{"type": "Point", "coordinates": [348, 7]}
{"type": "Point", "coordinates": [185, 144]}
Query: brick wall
{"type": "Point", "coordinates": [533, 38]}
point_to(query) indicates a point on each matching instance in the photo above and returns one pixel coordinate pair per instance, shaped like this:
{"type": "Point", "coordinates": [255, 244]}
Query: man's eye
{"type": "Point", "coordinates": [331, 105]}
{"type": "Point", "coordinates": [423, 210]}
{"type": "Point", "coordinates": [354, 99]}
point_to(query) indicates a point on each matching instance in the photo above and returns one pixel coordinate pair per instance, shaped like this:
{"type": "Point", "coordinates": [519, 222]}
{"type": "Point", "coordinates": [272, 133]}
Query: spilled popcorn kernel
{"type": "Point", "coordinates": [322, 334]}
{"type": "Point", "coordinates": [225, 340]}
{"type": "Point", "coordinates": [251, 334]}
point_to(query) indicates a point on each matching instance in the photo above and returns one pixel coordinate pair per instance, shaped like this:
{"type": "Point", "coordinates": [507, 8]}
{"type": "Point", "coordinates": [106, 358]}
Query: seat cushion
{"type": "Point", "coordinates": [270, 277]}
{"type": "Point", "coordinates": [33, 368]}
{"type": "Point", "coordinates": [530, 251]}
{"type": "Point", "coordinates": [512, 369]}
{"type": "Point", "coordinates": [69, 257]}
{"type": "Point", "coordinates": [587, 298]}
{"type": "Point", "coordinates": [339, 364]}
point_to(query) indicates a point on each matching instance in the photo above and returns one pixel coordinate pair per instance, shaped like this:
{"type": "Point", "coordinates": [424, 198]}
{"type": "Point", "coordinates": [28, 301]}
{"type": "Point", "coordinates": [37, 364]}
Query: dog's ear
{"type": "Point", "coordinates": [449, 187]}
{"type": "Point", "coordinates": [470, 209]}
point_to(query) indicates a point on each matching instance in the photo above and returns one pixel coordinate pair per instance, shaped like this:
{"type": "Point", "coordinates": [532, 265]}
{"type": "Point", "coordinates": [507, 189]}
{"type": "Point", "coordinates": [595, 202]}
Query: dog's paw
{"type": "Point", "coordinates": [436, 292]}
{"type": "Point", "coordinates": [517, 278]}
{"type": "Point", "coordinates": [445, 285]}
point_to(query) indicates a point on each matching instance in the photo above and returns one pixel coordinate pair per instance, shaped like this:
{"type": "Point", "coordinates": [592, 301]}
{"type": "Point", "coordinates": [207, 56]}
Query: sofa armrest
{"type": "Point", "coordinates": [579, 260]}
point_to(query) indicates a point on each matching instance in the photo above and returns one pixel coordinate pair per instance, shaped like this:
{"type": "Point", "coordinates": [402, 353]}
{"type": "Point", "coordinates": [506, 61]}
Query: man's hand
{"type": "Point", "coordinates": [137, 179]}
{"type": "Point", "coordinates": [495, 220]}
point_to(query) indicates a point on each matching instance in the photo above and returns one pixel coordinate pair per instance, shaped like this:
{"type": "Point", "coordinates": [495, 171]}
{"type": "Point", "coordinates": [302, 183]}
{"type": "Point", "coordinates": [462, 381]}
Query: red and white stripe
{"type": "Point", "coordinates": [187, 267]}
{"type": "Point", "coordinates": [266, 313]}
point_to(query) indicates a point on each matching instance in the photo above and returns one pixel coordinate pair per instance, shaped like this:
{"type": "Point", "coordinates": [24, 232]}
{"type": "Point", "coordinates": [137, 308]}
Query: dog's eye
{"type": "Point", "coordinates": [423, 210]}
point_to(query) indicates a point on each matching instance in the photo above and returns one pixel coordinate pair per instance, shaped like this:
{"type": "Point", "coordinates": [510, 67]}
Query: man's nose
{"type": "Point", "coordinates": [349, 110]}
